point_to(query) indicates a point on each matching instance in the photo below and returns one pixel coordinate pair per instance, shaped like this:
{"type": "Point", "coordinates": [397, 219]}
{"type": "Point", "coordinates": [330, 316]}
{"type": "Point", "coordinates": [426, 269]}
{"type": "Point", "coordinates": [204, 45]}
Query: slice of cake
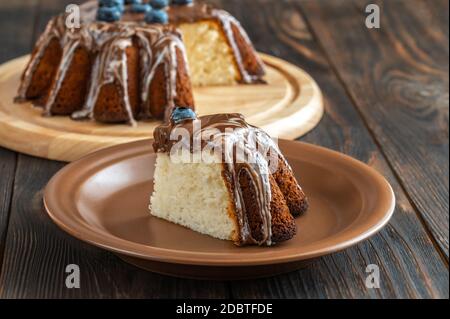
{"type": "Point", "coordinates": [222, 177]}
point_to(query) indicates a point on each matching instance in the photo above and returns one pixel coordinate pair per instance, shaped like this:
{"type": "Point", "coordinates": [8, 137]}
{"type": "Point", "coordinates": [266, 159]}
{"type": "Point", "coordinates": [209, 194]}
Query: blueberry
{"type": "Point", "coordinates": [180, 114]}
{"type": "Point", "coordinates": [109, 14]}
{"type": "Point", "coordinates": [141, 8]}
{"type": "Point", "coordinates": [157, 16]}
{"type": "Point", "coordinates": [133, 1]}
{"type": "Point", "coordinates": [110, 3]}
{"type": "Point", "coordinates": [118, 4]}
{"type": "Point", "coordinates": [159, 4]}
{"type": "Point", "coordinates": [181, 2]}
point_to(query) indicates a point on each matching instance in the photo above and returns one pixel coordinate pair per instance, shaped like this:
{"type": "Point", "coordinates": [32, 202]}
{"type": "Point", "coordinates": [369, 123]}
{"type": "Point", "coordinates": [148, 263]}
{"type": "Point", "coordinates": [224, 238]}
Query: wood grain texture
{"type": "Point", "coordinates": [410, 266]}
{"type": "Point", "coordinates": [37, 254]}
{"type": "Point", "coordinates": [7, 172]}
{"type": "Point", "coordinates": [397, 77]}
{"type": "Point", "coordinates": [37, 251]}
{"type": "Point", "coordinates": [289, 106]}
{"type": "Point", "coordinates": [13, 42]}
{"type": "Point", "coordinates": [16, 40]}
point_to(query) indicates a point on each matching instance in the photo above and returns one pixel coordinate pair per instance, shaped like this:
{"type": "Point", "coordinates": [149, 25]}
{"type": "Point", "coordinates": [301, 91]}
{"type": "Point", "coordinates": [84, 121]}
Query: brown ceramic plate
{"type": "Point", "coordinates": [103, 199]}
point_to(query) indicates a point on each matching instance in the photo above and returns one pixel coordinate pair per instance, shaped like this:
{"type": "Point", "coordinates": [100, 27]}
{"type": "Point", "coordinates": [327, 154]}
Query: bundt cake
{"type": "Point", "coordinates": [222, 177]}
{"type": "Point", "coordinates": [113, 72]}
{"type": "Point", "coordinates": [127, 60]}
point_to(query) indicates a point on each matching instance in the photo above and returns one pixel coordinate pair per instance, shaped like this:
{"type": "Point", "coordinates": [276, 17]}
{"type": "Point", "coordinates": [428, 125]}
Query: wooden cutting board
{"type": "Point", "coordinates": [288, 107]}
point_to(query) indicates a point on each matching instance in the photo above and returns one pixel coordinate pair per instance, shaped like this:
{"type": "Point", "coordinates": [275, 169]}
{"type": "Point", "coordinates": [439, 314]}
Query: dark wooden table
{"type": "Point", "coordinates": [387, 104]}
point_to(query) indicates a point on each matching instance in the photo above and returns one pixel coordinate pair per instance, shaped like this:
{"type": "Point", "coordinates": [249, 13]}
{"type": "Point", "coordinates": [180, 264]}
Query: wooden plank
{"type": "Point", "coordinates": [15, 41]}
{"type": "Point", "coordinates": [398, 78]}
{"type": "Point", "coordinates": [37, 253]}
{"type": "Point", "coordinates": [16, 23]}
{"type": "Point", "coordinates": [7, 170]}
{"type": "Point", "coordinates": [410, 266]}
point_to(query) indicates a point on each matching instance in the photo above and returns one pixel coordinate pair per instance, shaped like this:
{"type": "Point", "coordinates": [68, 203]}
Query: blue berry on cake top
{"type": "Point", "coordinates": [159, 4]}
{"type": "Point", "coordinates": [109, 14]}
{"type": "Point", "coordinates": [110, 3]}
{"type": "Point", "coordinates": [157, 16]}
{"type": "Point", "coordinates": [117, 4]}
{"type": "Point", "coordinates": [181, 114]}
{"type": "Point", "coordinates": [141, 8]}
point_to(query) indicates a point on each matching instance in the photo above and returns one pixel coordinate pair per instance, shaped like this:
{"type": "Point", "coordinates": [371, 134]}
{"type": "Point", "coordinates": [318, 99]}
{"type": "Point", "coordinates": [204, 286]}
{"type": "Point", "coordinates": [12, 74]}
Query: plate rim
{"type": "Point", "coordinates": [122, 246]}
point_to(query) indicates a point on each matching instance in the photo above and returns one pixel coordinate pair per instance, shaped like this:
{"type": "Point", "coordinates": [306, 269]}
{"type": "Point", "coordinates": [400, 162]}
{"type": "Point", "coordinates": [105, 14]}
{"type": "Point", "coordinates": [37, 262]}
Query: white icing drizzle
{"type": "Point", "coordinates": [166, 47]}
{"type": "Point", "coordinates": [257, 168]}
{"type": "Point", "coordinates": [243, 149]}
{"type": "Point", "coordinates": [227, 21]}
{"type": "Point", "coordinates": [67, 56]}
{"type": "Point", "coordinates": [51, 32]}
{"type": "Point", "coordinates": [108, 42]}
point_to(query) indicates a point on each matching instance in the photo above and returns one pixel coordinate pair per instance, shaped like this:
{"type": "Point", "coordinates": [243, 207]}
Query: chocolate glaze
{"type": "Point", "coordinates": [191, 13]}
{"type": "Point", "coordinates": [233, 136]}
{"type": "Point", "coordinates": [108, 42]}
